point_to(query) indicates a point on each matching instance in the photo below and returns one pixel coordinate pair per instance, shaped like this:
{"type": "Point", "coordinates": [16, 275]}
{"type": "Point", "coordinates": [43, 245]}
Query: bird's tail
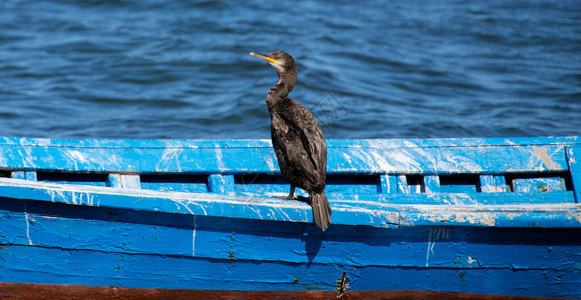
{"type": "Point", "coordinates": [321, 209]}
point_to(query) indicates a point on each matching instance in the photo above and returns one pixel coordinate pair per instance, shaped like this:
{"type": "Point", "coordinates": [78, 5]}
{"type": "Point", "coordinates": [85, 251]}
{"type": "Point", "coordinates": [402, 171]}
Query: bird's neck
{"type": "Point", "coordinates": [279, 92]}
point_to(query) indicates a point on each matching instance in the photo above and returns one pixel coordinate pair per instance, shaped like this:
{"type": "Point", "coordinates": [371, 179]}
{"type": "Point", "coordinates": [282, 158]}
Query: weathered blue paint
{"type": "Point", "coordinates": [574, 160]}
{"type": "Point", "coordinates": [242, 157]}
{"type": "Point", "coordinates": [494, 216]}
{"type": "Point", "coordinates": [233, 206]}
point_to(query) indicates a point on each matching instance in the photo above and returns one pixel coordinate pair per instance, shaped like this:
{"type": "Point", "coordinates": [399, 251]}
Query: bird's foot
{"type": "Point", "coordinates": [297, 198]}
{"type": "Point", "coordinates": [303, 199]}
{"type": "Point", "coordinates": [288, 197]}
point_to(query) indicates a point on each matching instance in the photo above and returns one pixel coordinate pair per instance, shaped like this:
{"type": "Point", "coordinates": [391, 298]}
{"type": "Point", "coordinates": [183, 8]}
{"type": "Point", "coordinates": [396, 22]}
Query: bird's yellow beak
{"type": "Point", "coordinates": [268, 59]}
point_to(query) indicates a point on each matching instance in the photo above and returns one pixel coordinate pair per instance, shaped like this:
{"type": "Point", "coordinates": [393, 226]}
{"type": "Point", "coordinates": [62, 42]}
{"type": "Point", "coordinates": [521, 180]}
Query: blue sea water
{"type": "Point", "coordinates": [372, 69]}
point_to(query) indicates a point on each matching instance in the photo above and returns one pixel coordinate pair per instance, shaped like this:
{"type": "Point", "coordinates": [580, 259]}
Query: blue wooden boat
{"type": "Point", "coordinates": [481, 216]}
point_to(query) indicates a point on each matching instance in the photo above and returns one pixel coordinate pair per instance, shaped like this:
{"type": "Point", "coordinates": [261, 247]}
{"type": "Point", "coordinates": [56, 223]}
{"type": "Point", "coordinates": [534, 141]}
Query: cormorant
{"type": "Point", "coordinates": [297, 138]}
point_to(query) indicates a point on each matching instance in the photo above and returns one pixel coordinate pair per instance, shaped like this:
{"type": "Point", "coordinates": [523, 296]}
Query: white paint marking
{"type": "Point", "coordinates": [430, 246]}
{"type": "Point", "coordinates": [194, 237]}
{"type": "Point", "coordinates": [219, 158]}
{"type": "Point", "coordinates": [27, 220]}
{"type": "Point", "coordinates": [434, 234]}
{"type": "Point", "coordinates": [168, 155]}
{"type": "Point", "coordinates": [270, 164]}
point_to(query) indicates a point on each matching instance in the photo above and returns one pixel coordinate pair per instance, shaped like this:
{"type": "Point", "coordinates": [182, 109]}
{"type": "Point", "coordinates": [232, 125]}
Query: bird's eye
{"type": "Point", "coordinates": [276, 58]}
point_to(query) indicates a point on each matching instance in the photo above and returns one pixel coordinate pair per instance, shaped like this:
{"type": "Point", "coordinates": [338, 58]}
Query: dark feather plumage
{"type": "Point", "coordinates": [297, 138]}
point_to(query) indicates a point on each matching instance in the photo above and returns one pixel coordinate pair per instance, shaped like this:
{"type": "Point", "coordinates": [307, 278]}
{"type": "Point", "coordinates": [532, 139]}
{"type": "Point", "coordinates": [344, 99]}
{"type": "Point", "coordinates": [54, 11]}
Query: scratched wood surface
{"type": "Point", "coordinates": [236, 157]}
{"type": "Point", "coordinates": [490, 216]}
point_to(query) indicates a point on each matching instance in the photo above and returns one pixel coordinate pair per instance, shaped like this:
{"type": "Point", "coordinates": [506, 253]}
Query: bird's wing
{"type": "Point", "coordinates": [305, 126]}
{"type": "Point", "coordinates": [293, 158]}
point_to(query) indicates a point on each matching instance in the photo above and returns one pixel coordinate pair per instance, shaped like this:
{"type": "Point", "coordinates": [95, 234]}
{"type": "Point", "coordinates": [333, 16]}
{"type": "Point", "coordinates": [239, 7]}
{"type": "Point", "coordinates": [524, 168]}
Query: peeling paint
{"type": "Point", "coordinates": [472, 260]}
{"type": "Point", "coordinates": [475, 230]}
{"type": "Point", "coordinates": [541, 154]}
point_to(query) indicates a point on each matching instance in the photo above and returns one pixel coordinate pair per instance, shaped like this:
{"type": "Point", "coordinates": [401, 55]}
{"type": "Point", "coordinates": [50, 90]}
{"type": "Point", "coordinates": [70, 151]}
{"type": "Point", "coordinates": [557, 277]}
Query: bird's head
{"type": "Point", "coordinates": [281, 61]}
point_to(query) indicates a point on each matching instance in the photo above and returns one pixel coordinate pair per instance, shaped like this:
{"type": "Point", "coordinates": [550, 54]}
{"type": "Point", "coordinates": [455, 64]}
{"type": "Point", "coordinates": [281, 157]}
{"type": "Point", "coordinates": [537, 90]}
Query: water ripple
{"type": "Point", "coordinates": [387, 69]}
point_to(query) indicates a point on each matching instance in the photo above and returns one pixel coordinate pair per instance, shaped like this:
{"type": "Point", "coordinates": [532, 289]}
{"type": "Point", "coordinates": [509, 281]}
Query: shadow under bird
{"type": "Point", "coordinates": [297, 138]}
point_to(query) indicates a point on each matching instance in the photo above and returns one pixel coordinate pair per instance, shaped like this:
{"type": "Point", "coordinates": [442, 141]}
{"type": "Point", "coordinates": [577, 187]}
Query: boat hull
{"type": "Point", "coordinates": [451, 224]}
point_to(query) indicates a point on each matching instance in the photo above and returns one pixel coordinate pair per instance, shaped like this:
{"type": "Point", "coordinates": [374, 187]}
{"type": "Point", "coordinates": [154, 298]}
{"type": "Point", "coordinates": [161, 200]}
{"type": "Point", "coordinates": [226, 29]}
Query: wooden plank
{"type": "Point", "coordinates": [402, 184]}
{"type": "Point", "coordinates": [381, 211]}
{"type": "Point", "coordinates": [457, 142]}
{"type": "Point", "coordinates": [210, 238]}
{"type": "Point", "coordinates": [265, 143]}
{"type": "Point", "coordinates": [124, 181]}
{"type": "Point", "coordinates": [469, 160]}
{"type": "Point", "coordinates": [387, 184]}
{"type": "Point", "coordinates": [548, 215]}
{"type": "Point", "coordinates": [218, 183]}
{"type": "Point", "coordinates": [122, 160]}
{"type": "Point", "coordinates": [432, 184]}
{"type": "Point", "coordinates": [27, 175]}
{"type": "Point", "coordinates": [460, 199]}
{"type": "Point", "coordinates": [574, 161]}
{"type": "Point", "coordinates": [239, 160]}
{"type": "Point", "coordinates": [220, 205]}
{"type": "Point", "coordinates": [539, 185]}
{"type": "Point", "coordinates": [493, 184]}
{"type": "Point", "coordinates": [21, 264]}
